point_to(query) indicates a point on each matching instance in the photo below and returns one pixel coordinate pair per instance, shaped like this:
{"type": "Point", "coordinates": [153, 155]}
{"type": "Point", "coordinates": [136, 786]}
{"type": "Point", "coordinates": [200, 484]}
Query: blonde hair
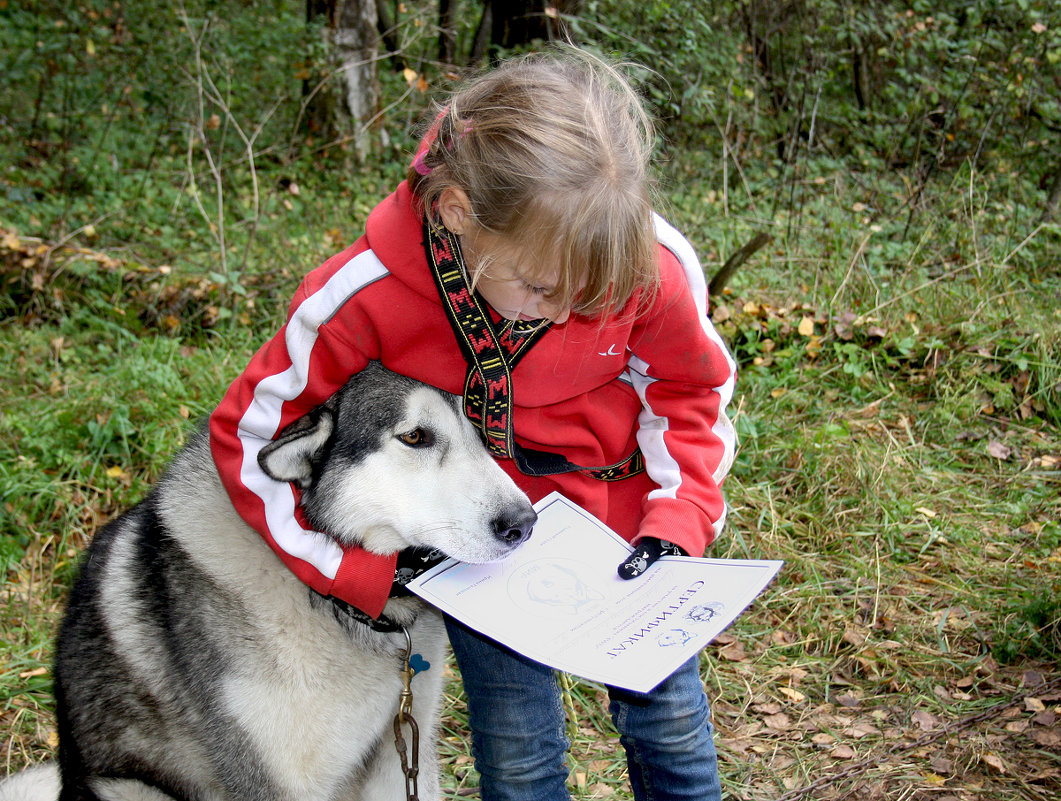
{"type": "Point", "coordinates": [552, 150]}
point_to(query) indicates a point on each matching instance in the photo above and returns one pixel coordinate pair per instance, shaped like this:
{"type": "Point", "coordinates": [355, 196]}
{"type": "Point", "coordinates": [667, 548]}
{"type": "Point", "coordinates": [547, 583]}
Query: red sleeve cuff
{"type": "Point", "coordinates": [364, 579]}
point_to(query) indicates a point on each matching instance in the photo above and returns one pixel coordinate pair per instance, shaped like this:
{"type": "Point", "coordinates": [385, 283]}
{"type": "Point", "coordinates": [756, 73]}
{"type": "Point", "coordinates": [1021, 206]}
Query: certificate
{"type": "Point", "coordinates": [559, 600]}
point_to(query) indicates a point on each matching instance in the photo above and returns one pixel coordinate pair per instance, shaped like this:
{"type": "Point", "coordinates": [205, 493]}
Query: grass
{"type": "Point", "coordinates": [900, 452]}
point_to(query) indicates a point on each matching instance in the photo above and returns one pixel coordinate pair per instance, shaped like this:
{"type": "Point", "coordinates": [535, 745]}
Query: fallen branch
{"type": "Point", "coordinates": [736, 259]}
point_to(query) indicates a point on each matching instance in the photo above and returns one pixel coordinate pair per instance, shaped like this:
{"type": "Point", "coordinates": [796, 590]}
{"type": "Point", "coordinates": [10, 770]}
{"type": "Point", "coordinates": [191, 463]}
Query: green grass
{"type": "Point", "coordinates": [902, 457]}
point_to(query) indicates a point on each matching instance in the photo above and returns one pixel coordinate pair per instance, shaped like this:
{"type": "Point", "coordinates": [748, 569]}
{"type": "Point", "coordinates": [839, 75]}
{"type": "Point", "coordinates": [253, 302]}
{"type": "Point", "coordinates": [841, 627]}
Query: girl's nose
{"type": "Point", "coordinates": [554, 312]}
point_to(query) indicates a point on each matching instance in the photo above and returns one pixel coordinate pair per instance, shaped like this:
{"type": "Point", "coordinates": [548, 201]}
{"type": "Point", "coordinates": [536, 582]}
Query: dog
{"type": "Point", "coordinates": [191, 665]}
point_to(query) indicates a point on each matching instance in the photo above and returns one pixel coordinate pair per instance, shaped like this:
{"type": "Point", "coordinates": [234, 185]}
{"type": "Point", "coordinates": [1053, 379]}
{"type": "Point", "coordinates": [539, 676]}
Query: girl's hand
{"type": "Point", "coordinates": [645, 554]}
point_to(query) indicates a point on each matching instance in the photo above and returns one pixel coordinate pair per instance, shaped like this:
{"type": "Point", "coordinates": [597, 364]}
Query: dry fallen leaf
{"type": "Point", "coordinates": [794, 695]}
{"type": "Point", "coordinates": [860, 730]}
{"type": "Point", "coordinates": [933, 779]}
{"type": "Point", "coordinates": [1047, 738]}
{"type": "Point", "coordinates": [999, 450]}
{"type": "Point", "coordinates": [1034, 705]}
{"type": "Point", "coordinates": [994, 761]}
{"type": "Point", "coordinates": [941, 764]}
{"type": "Point", "coordinates": [843, 752]}
{"type": "Point", "coordinates": [734, 652]}
{"type": "Point", "coordinates": [925, 721]}
{"type": "Point", "coordinates": [778, 722]}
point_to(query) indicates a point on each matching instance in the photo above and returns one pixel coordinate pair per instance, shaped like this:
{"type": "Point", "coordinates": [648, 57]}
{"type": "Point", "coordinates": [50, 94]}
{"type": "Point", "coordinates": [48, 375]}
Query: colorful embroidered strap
{"type": "Point", "coordinates": [491, 358]}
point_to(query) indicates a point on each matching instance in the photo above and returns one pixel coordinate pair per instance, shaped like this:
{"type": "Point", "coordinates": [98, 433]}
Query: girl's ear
{"type": "Point", "coordinates": [455, 209]}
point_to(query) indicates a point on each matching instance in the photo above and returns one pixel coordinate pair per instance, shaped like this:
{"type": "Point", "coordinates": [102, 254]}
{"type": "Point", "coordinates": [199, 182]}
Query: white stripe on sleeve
{"type": "Point", "coordinates": [660, 464]}
{"type": "Point", "coordinates": [261, 421]}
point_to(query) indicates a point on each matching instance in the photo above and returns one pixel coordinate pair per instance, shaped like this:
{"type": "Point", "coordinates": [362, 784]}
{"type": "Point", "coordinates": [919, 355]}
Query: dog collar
{"type": "Point", "coordinates": [342, 609]}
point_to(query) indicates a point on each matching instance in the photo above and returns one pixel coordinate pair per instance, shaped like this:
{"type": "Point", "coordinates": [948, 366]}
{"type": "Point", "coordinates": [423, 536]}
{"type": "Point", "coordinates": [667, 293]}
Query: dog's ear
{"type": "Point", "coordinates": [292, 455]}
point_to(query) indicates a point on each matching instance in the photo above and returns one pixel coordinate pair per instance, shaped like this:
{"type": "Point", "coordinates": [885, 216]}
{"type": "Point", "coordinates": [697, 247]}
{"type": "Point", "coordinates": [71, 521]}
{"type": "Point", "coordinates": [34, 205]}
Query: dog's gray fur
{"type": "Point", "coordinates": [192, 665]}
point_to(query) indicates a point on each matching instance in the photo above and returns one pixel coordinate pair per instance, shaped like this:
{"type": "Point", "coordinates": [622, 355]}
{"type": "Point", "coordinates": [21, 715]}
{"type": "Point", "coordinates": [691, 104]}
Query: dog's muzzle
{"type": "Point", "coordinates": [514, 527]}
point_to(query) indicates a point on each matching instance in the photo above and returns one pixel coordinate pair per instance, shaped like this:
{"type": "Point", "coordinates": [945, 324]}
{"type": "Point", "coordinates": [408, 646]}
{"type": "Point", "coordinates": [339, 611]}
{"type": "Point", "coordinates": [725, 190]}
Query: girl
{"type": "Point", "coordinates": [521, 265]}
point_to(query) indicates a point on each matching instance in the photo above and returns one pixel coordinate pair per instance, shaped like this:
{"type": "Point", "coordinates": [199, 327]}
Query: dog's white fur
{"type": "Point", "coordinates": [312, 698]}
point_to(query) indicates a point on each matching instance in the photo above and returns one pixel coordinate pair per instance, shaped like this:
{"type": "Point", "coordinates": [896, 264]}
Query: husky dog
{"type": "Point", "coordinates": [192, 665]}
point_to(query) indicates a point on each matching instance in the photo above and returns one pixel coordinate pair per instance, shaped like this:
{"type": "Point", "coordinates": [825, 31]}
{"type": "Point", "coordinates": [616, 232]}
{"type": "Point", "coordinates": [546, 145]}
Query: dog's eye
{"type": "Point", "coordinates": [417, 438]}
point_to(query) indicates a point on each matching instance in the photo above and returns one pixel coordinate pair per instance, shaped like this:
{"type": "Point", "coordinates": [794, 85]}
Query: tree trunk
{"type": "Point", "coordinates": [447, 33]}
{"type": "Point", "coordinates": [511, 23]}
{"type": "Point", "coordinates": [345, 108]}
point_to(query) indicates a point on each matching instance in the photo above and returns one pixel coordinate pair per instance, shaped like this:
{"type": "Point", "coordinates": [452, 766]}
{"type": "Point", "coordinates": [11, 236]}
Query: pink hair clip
{"type": "Point", "coordinates": [419, 162]}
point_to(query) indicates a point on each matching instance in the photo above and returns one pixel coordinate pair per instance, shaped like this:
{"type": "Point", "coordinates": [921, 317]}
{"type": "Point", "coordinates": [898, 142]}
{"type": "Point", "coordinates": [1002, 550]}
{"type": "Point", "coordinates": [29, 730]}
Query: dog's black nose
{"type": "Point", "coordinates": [513, 527]}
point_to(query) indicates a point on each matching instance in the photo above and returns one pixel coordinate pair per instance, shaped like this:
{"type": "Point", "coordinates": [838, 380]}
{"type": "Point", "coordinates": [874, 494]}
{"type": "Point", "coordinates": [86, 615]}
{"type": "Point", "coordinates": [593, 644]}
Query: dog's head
{"type": "Point", "coordinates": [389, 463]}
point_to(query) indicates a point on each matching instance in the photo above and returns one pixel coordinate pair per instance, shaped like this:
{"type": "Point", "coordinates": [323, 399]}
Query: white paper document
{"type": "Point", "coordinates": [559, 600]}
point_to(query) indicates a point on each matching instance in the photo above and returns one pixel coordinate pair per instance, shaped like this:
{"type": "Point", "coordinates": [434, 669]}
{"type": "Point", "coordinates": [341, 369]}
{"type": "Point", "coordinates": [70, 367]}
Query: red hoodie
{"type": "Point", "coordinates": [590, 390]}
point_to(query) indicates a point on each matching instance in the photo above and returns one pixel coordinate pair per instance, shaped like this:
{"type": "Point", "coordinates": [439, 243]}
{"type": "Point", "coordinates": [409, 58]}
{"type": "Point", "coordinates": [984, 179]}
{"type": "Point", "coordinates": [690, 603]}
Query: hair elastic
{"type": "Point", "coordinates": [419, 162]}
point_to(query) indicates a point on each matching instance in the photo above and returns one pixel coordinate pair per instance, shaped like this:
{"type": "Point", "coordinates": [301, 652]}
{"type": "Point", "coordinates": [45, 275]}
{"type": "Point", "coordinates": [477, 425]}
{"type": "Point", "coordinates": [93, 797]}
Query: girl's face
{"type": "Point", "coordinates": [503, 270]}
{"type": "Point", "coordinates": [502, 267]}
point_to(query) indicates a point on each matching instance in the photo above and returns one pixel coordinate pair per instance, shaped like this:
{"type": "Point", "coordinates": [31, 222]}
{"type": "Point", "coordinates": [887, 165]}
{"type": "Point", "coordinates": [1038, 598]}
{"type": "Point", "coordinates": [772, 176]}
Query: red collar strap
{"type": "Point", "coordinates": [492, 356]}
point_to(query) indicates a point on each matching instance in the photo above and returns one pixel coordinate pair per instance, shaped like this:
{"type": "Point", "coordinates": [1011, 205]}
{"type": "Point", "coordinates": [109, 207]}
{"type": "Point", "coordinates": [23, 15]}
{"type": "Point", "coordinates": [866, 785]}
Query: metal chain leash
{"type": "Point", "coordinates": [410, 756]}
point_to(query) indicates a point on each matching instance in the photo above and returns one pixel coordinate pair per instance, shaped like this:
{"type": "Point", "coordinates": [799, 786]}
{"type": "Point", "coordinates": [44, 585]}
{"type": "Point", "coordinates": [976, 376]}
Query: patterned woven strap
{"type": "Point", "coordinates": [491, 358]}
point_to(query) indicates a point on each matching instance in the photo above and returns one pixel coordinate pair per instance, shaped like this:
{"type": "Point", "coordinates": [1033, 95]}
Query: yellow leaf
{"type": "Point", "coordinates": [1034, 705]}
{"type": "Point", "coordinates": [115, 472]}
{"type": "Point", "coordinates": [777, 393]}
{"type": "Point", "coordinates": [90, 47]}
{"type": "Point", "coordinates": [933, 779]}
{"type": "Point", "coordinates": [806, 326]}
{"type": "Point", "coordinates": [410, 75]}
{"type": "Point", "coordinates": [794, 695]}
{"type": "Point", "coordinates": [53, 739]}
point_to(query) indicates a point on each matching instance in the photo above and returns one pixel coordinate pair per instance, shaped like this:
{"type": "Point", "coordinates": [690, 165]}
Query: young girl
{"type": "Point", "coordinates": [521, 265]}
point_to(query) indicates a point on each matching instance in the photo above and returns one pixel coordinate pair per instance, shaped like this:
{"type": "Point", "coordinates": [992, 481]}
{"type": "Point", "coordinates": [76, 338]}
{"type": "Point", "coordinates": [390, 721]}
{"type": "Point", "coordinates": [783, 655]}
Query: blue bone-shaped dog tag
{"type": "Point", "coordinates": [418, 664]}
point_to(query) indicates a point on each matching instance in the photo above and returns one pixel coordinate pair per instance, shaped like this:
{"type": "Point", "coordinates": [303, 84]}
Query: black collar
{"type": "Point", "coordinates": [342, 609]}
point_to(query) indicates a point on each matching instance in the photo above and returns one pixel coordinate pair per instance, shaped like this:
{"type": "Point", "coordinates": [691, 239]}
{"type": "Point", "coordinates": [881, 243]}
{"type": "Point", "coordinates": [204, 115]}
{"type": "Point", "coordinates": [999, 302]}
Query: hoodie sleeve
{"type": "Point", "coordinates": [303, 365]}
{"type": "Point", "coordinates": [684, 376]}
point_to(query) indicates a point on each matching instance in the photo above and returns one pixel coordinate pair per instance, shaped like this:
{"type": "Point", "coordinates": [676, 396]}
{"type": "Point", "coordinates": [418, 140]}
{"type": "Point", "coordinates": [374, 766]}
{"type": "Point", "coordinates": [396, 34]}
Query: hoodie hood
{"type": "Point", "coordinates": [394, 232]}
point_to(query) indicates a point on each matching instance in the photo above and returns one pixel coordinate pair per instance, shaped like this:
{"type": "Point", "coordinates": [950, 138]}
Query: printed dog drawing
{"type": "Point", "coordinates": [192, 665]}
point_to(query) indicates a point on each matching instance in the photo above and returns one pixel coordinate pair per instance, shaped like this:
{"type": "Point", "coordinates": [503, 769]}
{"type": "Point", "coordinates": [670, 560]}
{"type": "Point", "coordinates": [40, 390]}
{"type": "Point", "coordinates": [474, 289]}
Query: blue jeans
{"type": "Point", "coordinates": [518, 729]}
